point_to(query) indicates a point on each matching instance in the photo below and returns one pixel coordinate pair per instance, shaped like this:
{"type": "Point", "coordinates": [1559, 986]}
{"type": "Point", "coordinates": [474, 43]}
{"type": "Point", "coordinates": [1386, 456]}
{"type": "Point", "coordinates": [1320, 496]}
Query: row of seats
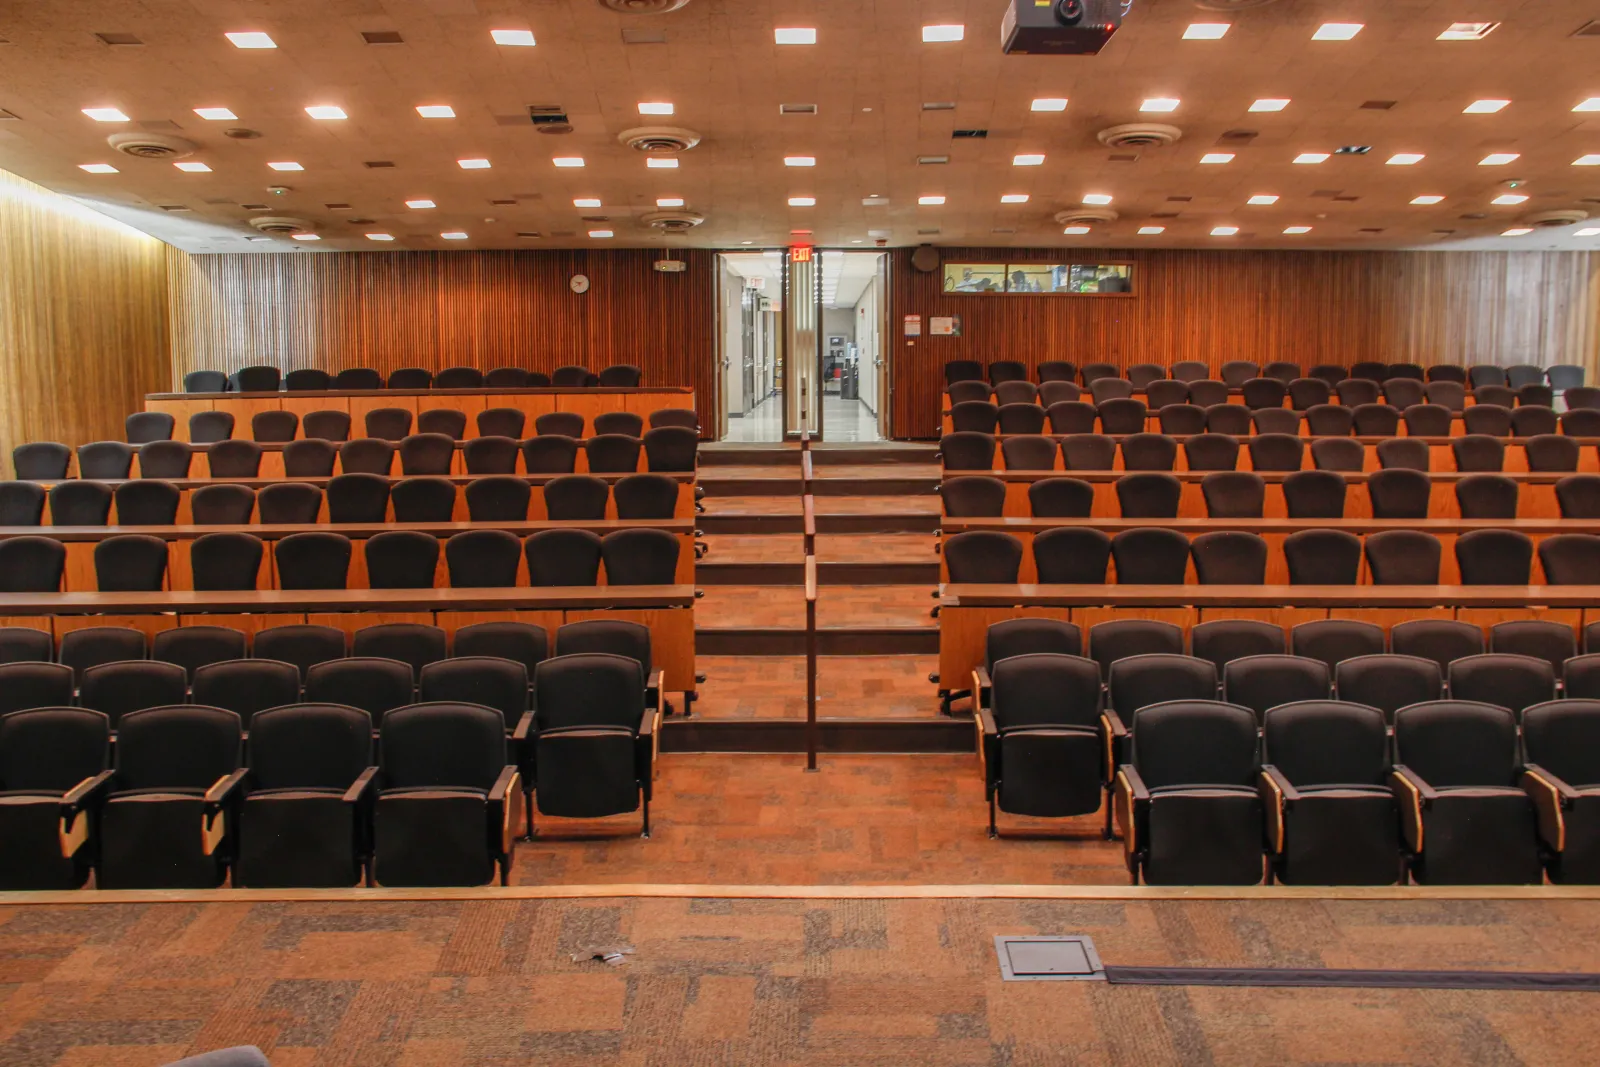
{"type": "Point", "coordinates": [1302, 393]}
{"type": "Point", "coordinates": [394, 559]}
{"type": "Point", "coordinates": [1153, 555]}
{"type": "Point", "coordinates": [666, 448]}
{"type": "Point", "coordinates": [394, 424]}
{"type": "Point", "coordinates": [264, 379]}
{"type": "Point", "coordinates": [362, 498]}
{"type": "Point", "coordinates": [1238, 371]}
{"type": "Point", "coordinates": [1480, 453]}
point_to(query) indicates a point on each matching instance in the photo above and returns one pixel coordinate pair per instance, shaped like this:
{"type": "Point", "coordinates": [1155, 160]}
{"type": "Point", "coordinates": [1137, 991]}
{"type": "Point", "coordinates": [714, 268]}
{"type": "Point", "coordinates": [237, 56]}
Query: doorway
{"type": "Point", "coordinates": [750, 345]}
{"type": "Point", "coordinates": [854, 301]}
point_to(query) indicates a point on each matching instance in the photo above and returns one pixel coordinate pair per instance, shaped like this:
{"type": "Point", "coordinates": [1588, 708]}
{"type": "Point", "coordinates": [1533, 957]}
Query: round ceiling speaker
{"type": "Point", "coordinates": [152, 145]}
{"type": "Point", "coordinates": [643, 7]}
{"type": "Point", "coordinates": [1558, 217]}
{"type": "Point", "coordinates": [659, 140]}
{"type": "Point", "coordinates": [1082, 215]}
{"type": "Point", "coordinates": [282, 224]}
{"type": "Point", "coordinates": [925, 259]}
{"type": "Point", "coordinates": [1139, 135]}
{"type": "Point", "coordinates": [674, 221]}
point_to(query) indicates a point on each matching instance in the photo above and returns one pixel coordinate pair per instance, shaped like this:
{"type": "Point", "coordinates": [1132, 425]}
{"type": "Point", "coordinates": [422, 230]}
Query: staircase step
{"type": "Point", "coordinates": [709, 571]}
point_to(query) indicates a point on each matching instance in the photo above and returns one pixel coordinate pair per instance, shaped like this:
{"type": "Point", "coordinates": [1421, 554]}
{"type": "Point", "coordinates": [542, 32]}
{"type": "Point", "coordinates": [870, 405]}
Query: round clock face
{"type": "Point", "coordinates": [579, 283]}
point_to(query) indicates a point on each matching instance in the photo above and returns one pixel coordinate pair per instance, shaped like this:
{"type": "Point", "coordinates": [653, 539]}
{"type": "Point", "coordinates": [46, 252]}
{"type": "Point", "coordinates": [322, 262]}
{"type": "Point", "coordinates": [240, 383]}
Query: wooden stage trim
{"type": "Point", "coordinates": [355, 895]}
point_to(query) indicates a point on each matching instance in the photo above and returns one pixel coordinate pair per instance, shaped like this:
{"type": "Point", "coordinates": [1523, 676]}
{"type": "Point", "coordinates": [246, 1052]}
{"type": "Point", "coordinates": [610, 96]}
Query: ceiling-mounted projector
{"type": "Point", "coordinates": [1060, 27]}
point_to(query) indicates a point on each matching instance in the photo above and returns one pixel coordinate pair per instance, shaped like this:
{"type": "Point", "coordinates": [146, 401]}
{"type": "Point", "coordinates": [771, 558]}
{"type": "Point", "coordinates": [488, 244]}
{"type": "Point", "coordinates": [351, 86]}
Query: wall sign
{"type": "Point", "coordinates": [913, 326]}
{"type": "Point", "coordinates": [944, 326]}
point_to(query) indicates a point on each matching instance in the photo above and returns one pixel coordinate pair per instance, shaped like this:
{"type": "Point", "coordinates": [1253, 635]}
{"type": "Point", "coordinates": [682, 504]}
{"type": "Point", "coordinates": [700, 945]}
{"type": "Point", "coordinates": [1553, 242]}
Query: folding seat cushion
{"type": "Point", "coordinates": [1331, 818]}
{"type": "Point", "coordinates": [592, 736]}
{"type": "Point", "coordinates": [1464, 820]}
{"type": "Point", "coordinates": [45, 754]}
{"type": "Point", "coordinates": [1043, 747]}
{"type": "Point", "coordinates": [1561, 741]}
{"type": "Point", "coordinates": [1188, 804]}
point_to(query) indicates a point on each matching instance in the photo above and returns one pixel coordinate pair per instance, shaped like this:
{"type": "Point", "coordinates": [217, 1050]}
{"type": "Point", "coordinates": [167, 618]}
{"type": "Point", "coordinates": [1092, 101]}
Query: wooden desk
{"type": "Point", "coordinates": [357, 402]}
{"type": "Point", "coordinates": [667, 610]}
{"type": "Point", "coordinates": [536, 507]}
{"type": "Point", "coordinates": [1536, 499]}
{"type": "Point", "coordinates": [80, 542]}
{"type": "Point", "coordinates": [1274, 531]}
{"type": "Point", "coordinates": [967, 611]}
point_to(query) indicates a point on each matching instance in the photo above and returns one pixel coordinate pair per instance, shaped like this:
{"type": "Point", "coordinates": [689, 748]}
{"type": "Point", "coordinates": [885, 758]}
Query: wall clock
{"type": "Point", "coordinates": [579, 283]}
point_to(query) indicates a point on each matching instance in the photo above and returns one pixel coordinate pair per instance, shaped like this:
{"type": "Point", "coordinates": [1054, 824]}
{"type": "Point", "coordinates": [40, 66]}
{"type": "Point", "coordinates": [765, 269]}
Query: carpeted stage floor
{"type": "Point", "coordinates": [755, 982]}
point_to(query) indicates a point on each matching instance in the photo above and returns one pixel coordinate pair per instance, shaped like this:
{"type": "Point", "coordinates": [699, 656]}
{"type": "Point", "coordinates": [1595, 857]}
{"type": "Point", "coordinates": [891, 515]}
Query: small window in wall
{"type": "Point", "coordinates": [1077, 279]}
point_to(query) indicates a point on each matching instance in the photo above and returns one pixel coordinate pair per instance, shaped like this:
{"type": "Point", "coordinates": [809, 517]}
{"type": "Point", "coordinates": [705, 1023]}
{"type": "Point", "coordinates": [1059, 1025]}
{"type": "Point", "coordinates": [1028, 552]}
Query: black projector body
{"type": "Point", "coordinates": [1060, 27]}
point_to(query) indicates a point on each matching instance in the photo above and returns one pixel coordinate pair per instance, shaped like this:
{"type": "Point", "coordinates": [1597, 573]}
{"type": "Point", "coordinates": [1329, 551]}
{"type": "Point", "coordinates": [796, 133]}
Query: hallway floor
{"type": "Point", "coordinates": [842, 420]}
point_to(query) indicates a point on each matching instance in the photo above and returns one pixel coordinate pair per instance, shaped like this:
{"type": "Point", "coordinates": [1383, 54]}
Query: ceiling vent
{"type": "Point", "coordinates": [968, 135]}
{"type": "Point", "coordinates": [1081, 215]}
{"type": "Point", "coordinates": [1559, 217]}
{"type": "Point", "coordinates": [240, 133]}
{"type": "Point", "coordinates": [152, 145]}
{"type": "Point", "coordinates": [1139, 135]}
{"type": "Point", "coordinates": [643, 7]}
{"type": "Point", "coordinates": [676, 221]}
{"type": "Point", "coordinates": [281, 224]}
{"type": "Point", "coordinates": [549, 118]}
{"type": "Point", "coordinates": [659, 140]}
{"type": "Point", "coordinates": [382, 37]}
{"type": "Point", "coordinates": [797, 109]}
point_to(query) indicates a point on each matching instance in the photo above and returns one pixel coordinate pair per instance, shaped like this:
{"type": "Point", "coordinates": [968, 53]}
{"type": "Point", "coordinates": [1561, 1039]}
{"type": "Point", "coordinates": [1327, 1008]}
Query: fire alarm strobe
{"type": "Point", "coordinates": [1060, 27]}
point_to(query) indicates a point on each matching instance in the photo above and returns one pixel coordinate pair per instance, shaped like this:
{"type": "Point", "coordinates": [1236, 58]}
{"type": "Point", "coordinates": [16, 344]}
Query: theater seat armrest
{"type": "Point", "coordinates": [73, 829]}
{"type": "Point", "coordinates": [524, 726]}
{"type": "Point", "coordinates": [502, 811]}
{"type": "Point", "coordinates": [503, 785]}
{"type": "Point", "coordinates": [982, 685]}
{"type": "Point", "coordinates": [223, 789]}
{"type": "Point", "coordinates": [361, 786]}
{"type": "Point", "coordinates": [988, 745]}
{"type": "Point", "coordinates": [87, 792]}
{"type": "Point", "coordinates": [1414, 796]}
{"type": "Point", "coordinates": [1115, 737]}
{"type": "Point", "coordinates": [1277, 796]}
{"type": "Point", "coordinates": [1551, 798]}
{"type": "Point", "coordinates": [214, 819]}
{"type": "Point", "coordinates": [1130, 799]}
{"type": "Point", "coordinates": [653, 687]}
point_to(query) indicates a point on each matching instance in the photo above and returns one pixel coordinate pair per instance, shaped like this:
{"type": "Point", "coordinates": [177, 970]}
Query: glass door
{"type": "Point", "coordinates": [802, 315]}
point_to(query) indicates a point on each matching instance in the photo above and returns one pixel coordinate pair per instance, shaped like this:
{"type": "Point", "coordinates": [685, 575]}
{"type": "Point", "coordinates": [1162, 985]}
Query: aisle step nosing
{"type": "Point", "coordinates": [711, 572]}
{"type": "Point", "coordinates": [859, 522]}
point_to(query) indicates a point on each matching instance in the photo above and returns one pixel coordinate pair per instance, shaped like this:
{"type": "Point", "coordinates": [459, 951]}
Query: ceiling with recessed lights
{"type": "Point", "coordinates": [1298, 124]}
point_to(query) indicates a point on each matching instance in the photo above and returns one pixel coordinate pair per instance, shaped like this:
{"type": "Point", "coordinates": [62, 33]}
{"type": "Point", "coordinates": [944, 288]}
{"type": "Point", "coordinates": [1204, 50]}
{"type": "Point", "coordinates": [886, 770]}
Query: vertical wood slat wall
{"type": "Point", "coordinates": [388, 310]}
{"type": "Point", "coordinates": [83, 319]}
{"type": "Point", "coordinates": [1309, 307]}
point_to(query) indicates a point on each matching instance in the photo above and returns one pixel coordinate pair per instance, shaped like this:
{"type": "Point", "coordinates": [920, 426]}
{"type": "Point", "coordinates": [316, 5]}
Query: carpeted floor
{"type": "Point", "coordinates": [758, 982]}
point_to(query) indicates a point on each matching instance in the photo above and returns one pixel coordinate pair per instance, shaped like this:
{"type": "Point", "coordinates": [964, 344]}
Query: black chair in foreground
{"type": "Point", "coordinates": [1022, 637]}
{"type": "Point", "coordinates": [1043, 751]}
{"type": "Point", "coordinates": [51, 759]}
{"type": "Point", "coordinates": [1561, 746]}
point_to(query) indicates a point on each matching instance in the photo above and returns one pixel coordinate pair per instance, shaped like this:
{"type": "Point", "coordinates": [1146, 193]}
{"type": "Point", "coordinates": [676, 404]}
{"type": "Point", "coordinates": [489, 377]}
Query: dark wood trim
{"type": "Point", "coordinates": [838, 736]}
{"type": "Point", "coordinates": [265, 601]}
{"type": "Point", "coordinates": [840, 641]}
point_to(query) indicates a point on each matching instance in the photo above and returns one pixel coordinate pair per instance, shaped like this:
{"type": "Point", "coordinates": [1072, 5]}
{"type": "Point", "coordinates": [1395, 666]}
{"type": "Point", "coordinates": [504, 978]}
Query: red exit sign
{"type": "Point", "coordinates": [800, 254]}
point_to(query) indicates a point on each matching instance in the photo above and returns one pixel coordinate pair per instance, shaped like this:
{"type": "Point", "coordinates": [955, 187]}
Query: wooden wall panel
{"type": "Point", "coordinates": [82, 319]}
{"type": "Point", "coordinates": [438, 309]}
{"type": "Point", "coordinates": [1310, 307]}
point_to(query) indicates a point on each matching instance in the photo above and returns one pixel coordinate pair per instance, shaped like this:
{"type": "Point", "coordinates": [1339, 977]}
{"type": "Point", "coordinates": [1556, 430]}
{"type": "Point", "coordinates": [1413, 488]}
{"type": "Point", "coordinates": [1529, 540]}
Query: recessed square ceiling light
{"type": "Point", "coordinates": [1587, 231]}
{"type": "Point", "coordinates": [1467, 31]}
{"type": "Point", "coordinates": [1590, 160]}
{"type": "Point", "coordinates": [473, 164]}
{"type": "Point", "coordinates": [436, 111]}
{"type": "Point", "coordinates": [1484, 107]}
{"type": "Point", "coordinates": [795, 35]}
{"type": "Point", "coordinates": [1270, 103]}
{"type": "Point", "coordinates": [304, 237]}
{"type": "Point", "coordinates": [586, 201]}
{"type": "Point", "coordinates": [1027, 159]}
{"type": "Point", "coordinates": [658, 108]}
{"type": "Point", "coordinates": [949, 32]}
{"type": "Point", "coordinates": [1097, 198]}
{"type": "Point", "coordinates": [568, 161]}
{"type": "Point", "coordinates": [98, 168]}
{"type": "Point", "coordinates": [1205, 31]}
{"type": "Point", "coordinates": [660, 164]}
{"type": "Point", "coordinates": [799, 161]}
{"type": "Point", "coordinates": [215, 114]}
{"type": "Point", "coordinates": [454, 235]}
{"type": "Point", "coordinates": [1516, 231]}
{"type": "Point", "coordinates": [285, 165]}
{"type": "Point", "coordinates": [1509, 198]}
{"type": "Point", "coordinates": [380, 236]}
{"type": "Point", "coordinates": [1049, 103]}
{"type": "Point", "coordinates": [1014, 198]}
{"type": "Point", "coordinates": [1075, 230]}
{"type": "Point", "coordinates": [1263, 198]}
{"type": "Point", "coordinates": [420, 205]}
{"type": "Point", "coordinates": [105, 114]}
{"type": "Point", "coordinates": [669, 201]}
{"type": "Point", "coordinates": [802, 201]}
{"type": "Point", "coordinates": [1217, 157]}
{"type": "Point", "coordinates": [1498, 159]}
{"type": "Point", "coordinates": [251, 39]}
{"type": "Point", "coordinates": [1149, 230]}
{"type": "Point", "coordinates": [1591, 104]}
{"type": "Point", "coordinates": [1429, 198]}
{"type": "Point", "coordinates": [1297, 229]}
{"type": "Point", "coordinates": [599, 234]}
{"type": "Point", "coordinates": [930, 201]}
{"type": "Point", "coordinates": [1160, 103]}
{"type": "Point", "coordinates": [1311, 157]}
{"type": "Point", "coordinates": [326, 111]}
{"type": "Point", "coordinates": [515, 38]}
{"type": "Point", "coordinates": [1337, 31]}
{"type": "Point", "coordinates": [193, 168]}
{"type": "Point", "coordinates": [1404, 159]}
{"type": "Point", "coordinates": [1224, 231]}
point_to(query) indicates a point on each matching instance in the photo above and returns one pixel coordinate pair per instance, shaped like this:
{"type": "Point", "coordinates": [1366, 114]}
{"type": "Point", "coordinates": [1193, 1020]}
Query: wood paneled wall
{"type": "Point", "coordinates": [83, 324]}
{"type": "Point", "coordinates": [1309, 307]}
{"type": "Point", "coordinates": [440, 309]}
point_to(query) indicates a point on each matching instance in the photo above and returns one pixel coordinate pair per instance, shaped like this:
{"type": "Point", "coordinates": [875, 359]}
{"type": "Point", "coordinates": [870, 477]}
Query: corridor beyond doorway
{"type": "Point", "coordinates": [853, 300]}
